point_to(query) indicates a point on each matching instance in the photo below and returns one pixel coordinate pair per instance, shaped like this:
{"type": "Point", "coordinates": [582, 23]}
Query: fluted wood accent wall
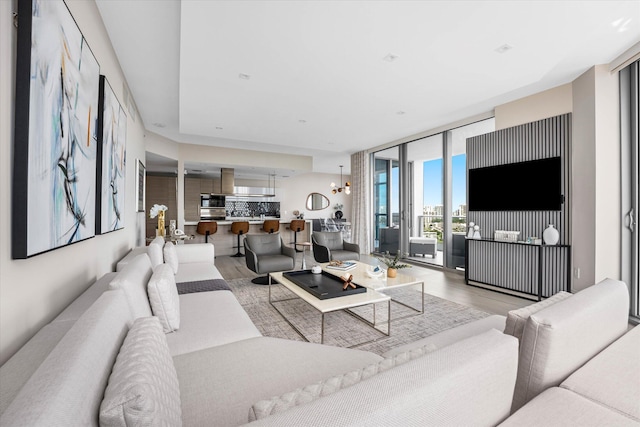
{"type": "Point", "coordinates": [512, 266]}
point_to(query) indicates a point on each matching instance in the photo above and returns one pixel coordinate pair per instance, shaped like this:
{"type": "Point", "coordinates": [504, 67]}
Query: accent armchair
{"type": "Point", "coordinates": [329, 245]}
{"type": "Point", "coordinates": [265, 254]}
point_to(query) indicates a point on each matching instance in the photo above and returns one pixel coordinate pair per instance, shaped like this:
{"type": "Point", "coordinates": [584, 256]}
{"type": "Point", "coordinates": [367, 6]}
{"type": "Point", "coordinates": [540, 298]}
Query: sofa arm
{"type": "Point", "coordinates": [250, 257]}
{"type": "Point", "coordinates": [195, 252]}
{"type": "Point", "coordinates": [290, 252]}
{"type": "Point", "coordinates": [352, 247]}
{"type": "Point", "coordinates": [467, 383]}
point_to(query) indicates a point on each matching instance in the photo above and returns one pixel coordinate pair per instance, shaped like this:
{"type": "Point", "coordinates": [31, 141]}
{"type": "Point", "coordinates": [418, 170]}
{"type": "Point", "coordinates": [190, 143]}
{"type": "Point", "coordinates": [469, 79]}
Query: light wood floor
{"type": "Point", "coordinates": [446, 285]}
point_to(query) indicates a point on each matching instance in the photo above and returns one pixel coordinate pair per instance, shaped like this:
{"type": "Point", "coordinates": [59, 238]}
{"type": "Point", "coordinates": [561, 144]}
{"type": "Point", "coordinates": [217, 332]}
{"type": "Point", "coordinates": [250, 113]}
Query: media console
{"type": "Point", "coordinates": [537, 270]}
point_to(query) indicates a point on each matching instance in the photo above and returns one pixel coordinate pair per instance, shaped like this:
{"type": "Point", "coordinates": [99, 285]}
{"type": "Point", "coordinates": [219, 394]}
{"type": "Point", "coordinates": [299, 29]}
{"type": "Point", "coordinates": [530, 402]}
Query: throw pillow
{"type": "Point", "coordinates": [143, 387]}
{"type": "Point", "coordinates": [154, 250]}
{"type": "Point", "coordinates": [171, 256]}
{"type": "Point", "coordinates": [278, 404]}
{"type": "Point", "coordinates": [516, 319]}
{"type": "Point", "coordinates": [163, 296]}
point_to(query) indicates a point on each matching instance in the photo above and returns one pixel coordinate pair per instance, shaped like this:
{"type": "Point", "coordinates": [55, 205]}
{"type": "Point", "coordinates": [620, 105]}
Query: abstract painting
{"type": "Point", "coordinates": [112, 133]}
{"type": "Point", "coordinates": [57, 82]}
{"type": "Point", "coordinates": [140, 188]}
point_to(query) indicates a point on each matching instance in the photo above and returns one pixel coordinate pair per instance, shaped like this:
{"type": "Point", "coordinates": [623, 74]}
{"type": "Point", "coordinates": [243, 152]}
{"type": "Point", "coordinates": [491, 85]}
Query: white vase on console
{"type": "Point", "coordinates": [550, 236]}
{"type": "Point", "coordinates": [476, 232]}
{"type": "Point", "coordinates": [470, 233]}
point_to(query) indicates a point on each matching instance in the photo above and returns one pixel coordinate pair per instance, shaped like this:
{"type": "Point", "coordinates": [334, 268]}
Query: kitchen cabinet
{"type": "Point", "coordinates": [206, 186]}
{"type": "Point", "coordinates": [192, 199]}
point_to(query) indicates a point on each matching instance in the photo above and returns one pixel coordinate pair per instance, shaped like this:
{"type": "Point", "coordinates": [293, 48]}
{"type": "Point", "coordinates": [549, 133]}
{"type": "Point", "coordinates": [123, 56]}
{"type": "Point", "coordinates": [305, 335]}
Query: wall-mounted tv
{"type": "Point", "coordinates": [527, 186]}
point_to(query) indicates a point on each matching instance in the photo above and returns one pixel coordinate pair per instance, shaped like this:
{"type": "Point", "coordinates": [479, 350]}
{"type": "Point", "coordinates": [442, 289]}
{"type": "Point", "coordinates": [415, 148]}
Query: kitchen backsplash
{"type": "Point", "coordinates": [247, 209]}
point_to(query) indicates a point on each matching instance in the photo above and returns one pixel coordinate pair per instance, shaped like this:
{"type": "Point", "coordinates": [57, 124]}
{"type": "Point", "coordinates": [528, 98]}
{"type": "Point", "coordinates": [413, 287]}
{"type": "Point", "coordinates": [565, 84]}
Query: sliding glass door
{"type": "Point", "coordinates": [420, 195]}
{"type": "Point", "coordinates": [427, 219]}
{"type": "Point", "coordinates": [386, 200]}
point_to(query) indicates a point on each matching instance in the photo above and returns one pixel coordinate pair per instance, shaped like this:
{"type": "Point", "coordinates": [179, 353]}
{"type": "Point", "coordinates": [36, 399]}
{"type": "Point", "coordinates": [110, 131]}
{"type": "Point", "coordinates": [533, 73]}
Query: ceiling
{"type": "Point", "coordinates": [329, 78]}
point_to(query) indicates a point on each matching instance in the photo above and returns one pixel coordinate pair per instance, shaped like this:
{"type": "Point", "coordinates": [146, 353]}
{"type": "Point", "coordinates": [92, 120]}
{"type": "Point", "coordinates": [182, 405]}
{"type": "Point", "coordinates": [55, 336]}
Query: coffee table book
{"type": "Point", "coordinates": [345, 266]}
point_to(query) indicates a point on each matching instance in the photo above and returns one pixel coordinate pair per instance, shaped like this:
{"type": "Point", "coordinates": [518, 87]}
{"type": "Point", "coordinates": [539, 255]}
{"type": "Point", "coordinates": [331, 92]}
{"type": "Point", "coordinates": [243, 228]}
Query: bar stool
{"type": "Point", "coordinates": [296, 226]}
{"type": "Point", "coordinates": [239, 228]}
{"type": "Point", "coordinates": [271, 226]}
{"type": "Point", "coordinates": [207, 228]}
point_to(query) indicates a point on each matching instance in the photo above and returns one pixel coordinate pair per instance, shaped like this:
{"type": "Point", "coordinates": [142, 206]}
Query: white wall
{"type": "Point", "coordinates": [294, 191]}
{"type": "Point", "coordinates": [549, 103]}
{"type": "Point", "coordinates": [35, 290]}
{"type": "Point", "coordinates": [583, 196]}
{"type": "Point", "coordinates": [608, 186]}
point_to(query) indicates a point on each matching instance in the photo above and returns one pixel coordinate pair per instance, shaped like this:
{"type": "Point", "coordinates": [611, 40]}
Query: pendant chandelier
{"type": "Point", "coordinates": [346, 187]}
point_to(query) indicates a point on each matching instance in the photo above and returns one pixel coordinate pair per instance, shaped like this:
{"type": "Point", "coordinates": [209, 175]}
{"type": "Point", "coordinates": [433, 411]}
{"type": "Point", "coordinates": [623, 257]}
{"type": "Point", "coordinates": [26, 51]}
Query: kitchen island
{"type": "Point", "coordinates": [225, 241]}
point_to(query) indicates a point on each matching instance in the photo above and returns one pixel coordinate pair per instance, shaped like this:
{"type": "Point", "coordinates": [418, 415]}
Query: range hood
{"type": "Point", "coordinates": [228, 187]}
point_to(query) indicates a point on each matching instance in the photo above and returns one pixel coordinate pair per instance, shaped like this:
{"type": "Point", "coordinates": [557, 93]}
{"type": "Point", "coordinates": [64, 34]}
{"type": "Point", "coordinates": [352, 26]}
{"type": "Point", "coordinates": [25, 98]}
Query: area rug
{"type": "Point", "coordinates": [342, 329]}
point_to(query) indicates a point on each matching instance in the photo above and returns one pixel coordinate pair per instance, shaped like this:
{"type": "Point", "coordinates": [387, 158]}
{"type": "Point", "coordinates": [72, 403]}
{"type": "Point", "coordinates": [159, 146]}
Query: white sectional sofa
{"type": "Point", "coordinates": [106, 360]}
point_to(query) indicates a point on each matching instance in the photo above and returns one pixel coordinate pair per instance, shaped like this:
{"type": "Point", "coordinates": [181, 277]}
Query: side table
{"type": "Point", "coordinates": [304, 245]}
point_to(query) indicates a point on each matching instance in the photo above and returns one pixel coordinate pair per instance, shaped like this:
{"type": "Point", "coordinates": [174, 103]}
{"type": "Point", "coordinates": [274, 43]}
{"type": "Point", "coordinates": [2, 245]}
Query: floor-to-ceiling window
{"type": "Point", "coordinates": [386, 203]}
{"type": "Point", "coordinates": [432, 214]}
{"type": "Point", "coordinates": [427, 219]}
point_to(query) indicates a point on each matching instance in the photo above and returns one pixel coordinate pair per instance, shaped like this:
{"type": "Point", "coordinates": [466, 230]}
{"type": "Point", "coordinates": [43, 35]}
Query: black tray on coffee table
{"type": "Point", "coordinates": [323, 285]}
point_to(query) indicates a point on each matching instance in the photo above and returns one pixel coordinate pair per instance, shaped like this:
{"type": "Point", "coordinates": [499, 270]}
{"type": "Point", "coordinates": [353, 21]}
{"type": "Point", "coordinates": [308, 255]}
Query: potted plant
{"type": "Point", "coordinates": [393, 264]}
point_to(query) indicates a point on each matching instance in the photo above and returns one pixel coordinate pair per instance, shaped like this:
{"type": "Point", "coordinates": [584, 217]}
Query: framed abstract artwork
{"type": "Point", "coordinates": [140, 195]}
{"type": "Point", "coordinates": [110, 182]}
{"type": "Point", "coordinates": [55, 141]}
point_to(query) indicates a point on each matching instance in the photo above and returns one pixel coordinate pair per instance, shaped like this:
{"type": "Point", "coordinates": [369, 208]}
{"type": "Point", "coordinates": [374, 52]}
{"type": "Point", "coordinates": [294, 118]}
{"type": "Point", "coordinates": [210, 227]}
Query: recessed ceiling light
{"type": "Point", "coordinates": [400, 113]}
{"type": "Point", "coordinates": [390, 57]}
{"type": "Point", "coordinates": [504, 48]}
{"type": "Point", "coordinates": [159, 125]}
{"type": "Point", "coordinates": [244, 76]}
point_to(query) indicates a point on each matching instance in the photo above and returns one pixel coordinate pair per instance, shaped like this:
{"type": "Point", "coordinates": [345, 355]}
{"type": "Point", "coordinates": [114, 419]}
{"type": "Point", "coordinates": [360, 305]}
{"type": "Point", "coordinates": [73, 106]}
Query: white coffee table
{"type": "Point", "coordinates": [382, 283]}
{"type": "Point", "coordinates": [331, 304]}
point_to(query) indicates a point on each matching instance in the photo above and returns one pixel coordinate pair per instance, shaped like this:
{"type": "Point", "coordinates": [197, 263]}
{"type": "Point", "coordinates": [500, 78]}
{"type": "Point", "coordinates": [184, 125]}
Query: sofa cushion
{"type": "Point", "coordinates": [557, 407]}
{"type": "Point", "coordinates": [143, 387]}
{"type": "Point", "coordinates": [133, 280]}
{"type": "Point", "coordinates": [195, 252]}
{"type": "Point", "coordinates": [466, 383]}
{"type": "Point", "coordinates": [15, 372]}
{"type": "Point", "coordinates": [278, 404]}
{"type": "Point", "coordinates": [252, 370]}
{"type": "Point", "coordinates": [130, 256]}
{"type": "Point", "coordinates": [559, 339]}
{"type": "Point", "coordinates": [342, 255]}
{"type": "Point", "coordinates": [453, 335]}
{"type": "Point", "coordinates": [612, 378]}
{"type": "Point", "coordinates": [154, 250]}
{"type": "Point", "coordinates": [197, 271]}
{"type": "Point", "coordinates": [171, 256]}
{"type": "Point", "coordinates": [66, 390]}
{"type": "Point", "coordinates": [163, 296]}
{"type": "Point", "coordinates": [516, 319]}
{"type": "Point", "coordinates": [84, 301]}
{"type": "Point", "coordinates": [209, 319]}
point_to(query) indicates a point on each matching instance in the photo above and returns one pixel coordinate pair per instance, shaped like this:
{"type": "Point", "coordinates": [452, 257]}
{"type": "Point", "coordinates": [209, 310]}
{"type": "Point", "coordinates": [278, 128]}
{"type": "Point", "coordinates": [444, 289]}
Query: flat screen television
{"type": "Point", "coordinates": [526, 186]}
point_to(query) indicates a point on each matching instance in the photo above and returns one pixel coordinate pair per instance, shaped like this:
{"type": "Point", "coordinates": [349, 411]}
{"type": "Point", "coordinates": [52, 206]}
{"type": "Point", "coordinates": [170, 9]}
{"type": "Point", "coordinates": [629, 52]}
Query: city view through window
{"type": "Point", "coordinates": [432, 211]}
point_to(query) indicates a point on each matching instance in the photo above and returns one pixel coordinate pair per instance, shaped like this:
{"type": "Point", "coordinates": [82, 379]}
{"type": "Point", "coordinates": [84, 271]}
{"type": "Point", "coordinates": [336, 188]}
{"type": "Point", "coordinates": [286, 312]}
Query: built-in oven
{"type": "Point", "coordinates": [210, 214]}
{"type": "Point", "coordinates": [212, 201]}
